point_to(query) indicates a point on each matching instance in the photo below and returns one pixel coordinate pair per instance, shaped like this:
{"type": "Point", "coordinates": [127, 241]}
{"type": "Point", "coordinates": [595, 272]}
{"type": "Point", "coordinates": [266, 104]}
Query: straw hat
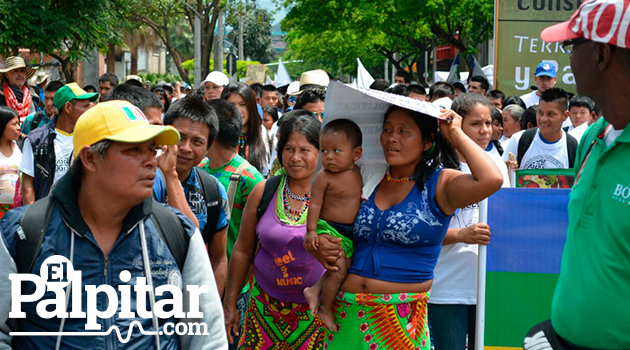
{"type": "Point", "coordinates": [39, 78]}
{"type": "Point", "coordinates": [15, 62]}
{"type": "Point", "coordinates": [312, 79]}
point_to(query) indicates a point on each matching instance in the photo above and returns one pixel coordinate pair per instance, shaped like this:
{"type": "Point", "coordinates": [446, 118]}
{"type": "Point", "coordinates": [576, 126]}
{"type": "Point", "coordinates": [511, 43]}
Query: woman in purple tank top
{"type": "Point", "coordinates": [278, 316]}
{"type": "Point", "coordinates": [399, 230]}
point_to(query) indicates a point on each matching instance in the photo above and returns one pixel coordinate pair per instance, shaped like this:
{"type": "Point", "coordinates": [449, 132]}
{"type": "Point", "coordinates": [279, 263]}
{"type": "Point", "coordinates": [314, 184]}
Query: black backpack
{"type": "Point", "coordinates": [214, 202]}
{"type": "Point", "coordinates": [36, 218]}
{"type": "Point", "coordinates": [528, 137]}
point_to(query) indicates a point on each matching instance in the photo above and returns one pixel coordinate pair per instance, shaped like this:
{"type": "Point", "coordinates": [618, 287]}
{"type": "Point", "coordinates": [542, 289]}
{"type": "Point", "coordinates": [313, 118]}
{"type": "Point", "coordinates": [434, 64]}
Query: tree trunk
{"type": "Point", "coordinates": [134, 60]}
{"type": "Point", "coordinates": [207, 33]}
{"type": "Point", "coordinates": [68, 69]}
{"type": "Point", "coordinates": [110, 60]}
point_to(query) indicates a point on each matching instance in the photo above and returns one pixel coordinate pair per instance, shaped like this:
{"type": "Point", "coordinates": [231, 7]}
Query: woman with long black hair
{"type": "Point", "coordinates": [252, 144]}
{"type": "Point", "coordinates": [10, 157]}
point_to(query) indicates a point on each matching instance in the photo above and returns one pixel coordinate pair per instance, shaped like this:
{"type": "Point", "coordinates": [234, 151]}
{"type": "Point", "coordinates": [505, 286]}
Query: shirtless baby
{"type": "Point", "coordinates": [335, 201]}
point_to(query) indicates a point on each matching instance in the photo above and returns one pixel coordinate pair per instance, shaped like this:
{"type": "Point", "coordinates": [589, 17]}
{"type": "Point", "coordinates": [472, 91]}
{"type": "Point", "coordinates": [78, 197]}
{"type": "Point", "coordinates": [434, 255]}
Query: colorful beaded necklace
{"type": "Point", "coordinates": [243, 150]}
{"type": "Point", "coordinates": [242, 140]}
{"type": "Point", "coordinates": [293, 214]}
{"type": "Point", "coordinates": [389, 177]}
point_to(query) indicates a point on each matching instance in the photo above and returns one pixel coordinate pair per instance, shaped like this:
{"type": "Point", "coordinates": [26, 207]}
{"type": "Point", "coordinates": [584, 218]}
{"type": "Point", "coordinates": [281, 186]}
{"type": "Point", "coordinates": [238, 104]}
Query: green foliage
{"type": "Point", "coordinates": [241, 67]}
{"type": "Point", "coordinates": [256, 32]}
{"type": "Point", "coordinates": [68, 29]}
{"type": "Point", "coordinates": [375, 29]}
{"type": "Point", "coordinates": [183, 41]}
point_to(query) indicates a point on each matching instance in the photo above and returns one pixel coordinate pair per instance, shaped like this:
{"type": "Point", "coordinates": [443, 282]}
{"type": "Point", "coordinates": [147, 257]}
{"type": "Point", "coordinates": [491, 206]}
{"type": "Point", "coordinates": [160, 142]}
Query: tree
{"type": "Point", "coordinates": [163, 16]}
{"type": "Point", "coordinates": [256, 31]}
{"type": "Point", "coordinates": [407, 28]}
{"type": "Point", "coordinates": [66, 30]}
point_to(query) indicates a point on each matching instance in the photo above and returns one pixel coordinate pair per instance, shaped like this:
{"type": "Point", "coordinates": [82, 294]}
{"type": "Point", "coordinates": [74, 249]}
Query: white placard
{"type": "Point", "coordinates": [366, 108]}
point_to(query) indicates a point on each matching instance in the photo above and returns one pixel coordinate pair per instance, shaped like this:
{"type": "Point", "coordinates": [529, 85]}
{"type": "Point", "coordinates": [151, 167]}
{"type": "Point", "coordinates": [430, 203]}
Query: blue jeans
{"type": "Point", "coordinates": [450, 324]}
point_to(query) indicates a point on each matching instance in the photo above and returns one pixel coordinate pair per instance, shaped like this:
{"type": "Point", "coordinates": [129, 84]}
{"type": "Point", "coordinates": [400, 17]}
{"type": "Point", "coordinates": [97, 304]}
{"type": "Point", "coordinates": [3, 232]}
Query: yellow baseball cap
{"type": "Point", "coordinates": [119, 121]}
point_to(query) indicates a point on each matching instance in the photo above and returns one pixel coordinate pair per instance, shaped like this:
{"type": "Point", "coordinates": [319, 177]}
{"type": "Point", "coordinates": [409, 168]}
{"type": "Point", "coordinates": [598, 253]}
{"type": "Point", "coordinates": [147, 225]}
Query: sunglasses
{"type": "Point", "coordinates": [569, 45]}
{"type": "Point", "coordinates": [292, 99]}
{"type": "Point", "coordinates": [319, 114]}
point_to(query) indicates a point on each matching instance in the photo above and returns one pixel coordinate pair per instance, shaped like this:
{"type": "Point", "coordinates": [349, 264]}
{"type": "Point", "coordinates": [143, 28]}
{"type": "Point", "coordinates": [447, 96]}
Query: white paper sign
{"type": "Point", "coordinates": [367, 108]}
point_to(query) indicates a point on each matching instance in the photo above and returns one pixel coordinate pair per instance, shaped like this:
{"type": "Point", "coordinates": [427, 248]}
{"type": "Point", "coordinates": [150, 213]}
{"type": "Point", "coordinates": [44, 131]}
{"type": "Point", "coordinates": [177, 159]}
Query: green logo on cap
{"type": "Point", "coordinates": [133, 113]}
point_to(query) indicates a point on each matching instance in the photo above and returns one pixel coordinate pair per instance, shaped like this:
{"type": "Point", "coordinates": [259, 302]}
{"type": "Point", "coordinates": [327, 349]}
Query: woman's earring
{"type": "Point", "coordinates": [430, 150]}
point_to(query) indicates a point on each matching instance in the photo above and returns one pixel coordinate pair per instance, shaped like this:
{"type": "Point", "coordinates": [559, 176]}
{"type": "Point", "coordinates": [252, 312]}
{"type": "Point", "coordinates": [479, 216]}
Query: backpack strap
{"type": "Point", "coordinates": [234, 179]}
{"type": "Point", "coordinates": [36, 218]}
{"type": "Point", "coordinates": [214, 202]}
{"type": "Point", "coordinates": [523, 144]}
{"type": "Point", "coordinates": [31, 233]}
{"type": "Point", "coordinates": [271, 186]}
{"type": "Point", "coordinates": [572, 145]}
{"type": "Point", "coordinates": [37, 118]}
{"type": "Point", "coordinates": [172, 232]}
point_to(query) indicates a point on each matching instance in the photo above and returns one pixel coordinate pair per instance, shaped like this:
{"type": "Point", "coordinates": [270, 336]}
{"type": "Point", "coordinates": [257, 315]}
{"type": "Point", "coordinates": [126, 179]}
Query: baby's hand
{"type": "Point", "coordinates": [311, 241]}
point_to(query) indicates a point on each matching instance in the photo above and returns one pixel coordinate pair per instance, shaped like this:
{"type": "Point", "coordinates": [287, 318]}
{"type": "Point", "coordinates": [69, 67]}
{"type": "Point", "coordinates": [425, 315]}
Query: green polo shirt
{"type": "Point", "coordinates": [591, 304]}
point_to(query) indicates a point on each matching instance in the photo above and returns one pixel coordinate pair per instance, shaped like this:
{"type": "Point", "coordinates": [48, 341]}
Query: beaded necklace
{"type": "Point", "coordinates": [389, 177]}
{"type": "Point", "coordinates": [242, 140]}
{"type": "Point", "coordinates": [243, 150]}
{"type": "Point", "coordinates": [294, 214]}
{"type": "Point", "coordinates": [296, 197]}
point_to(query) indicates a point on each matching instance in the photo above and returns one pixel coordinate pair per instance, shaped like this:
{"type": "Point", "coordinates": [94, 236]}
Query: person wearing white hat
{"type": "Point", "coordinates": [312, 79]}
{"type": "Point", "coordinates": [213, 85]}
{"type": "Point", "coordinates": [14, 92]}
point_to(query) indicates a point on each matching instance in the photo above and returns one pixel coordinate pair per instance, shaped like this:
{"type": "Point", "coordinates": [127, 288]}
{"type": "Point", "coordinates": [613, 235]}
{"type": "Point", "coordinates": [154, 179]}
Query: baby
{"type": "Point", "coordinates": [335, 201]}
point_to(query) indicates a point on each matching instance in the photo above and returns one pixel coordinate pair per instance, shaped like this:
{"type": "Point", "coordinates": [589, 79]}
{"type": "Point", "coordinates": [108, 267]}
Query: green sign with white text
{"type": "Point", "coordinates": [520, 49]}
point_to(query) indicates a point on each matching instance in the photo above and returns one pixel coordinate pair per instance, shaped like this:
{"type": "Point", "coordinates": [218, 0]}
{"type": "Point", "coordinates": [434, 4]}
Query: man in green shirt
{"type": "Point", "coordinates": [224, 163]}
{"type": "Point", "coordinates": [592, 298]}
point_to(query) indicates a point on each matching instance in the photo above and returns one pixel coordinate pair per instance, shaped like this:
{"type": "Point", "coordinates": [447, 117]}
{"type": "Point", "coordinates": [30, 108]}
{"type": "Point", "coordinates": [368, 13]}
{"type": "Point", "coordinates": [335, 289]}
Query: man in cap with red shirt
{"type": "Point", "coordinates": [591, 301]}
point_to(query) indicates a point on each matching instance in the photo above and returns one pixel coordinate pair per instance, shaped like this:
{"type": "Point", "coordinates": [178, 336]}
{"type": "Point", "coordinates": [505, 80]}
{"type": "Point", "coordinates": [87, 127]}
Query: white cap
{"type": "Point", "coordinates": [293, 87]}
{"type": "Point", "coordinates": [218, 78]}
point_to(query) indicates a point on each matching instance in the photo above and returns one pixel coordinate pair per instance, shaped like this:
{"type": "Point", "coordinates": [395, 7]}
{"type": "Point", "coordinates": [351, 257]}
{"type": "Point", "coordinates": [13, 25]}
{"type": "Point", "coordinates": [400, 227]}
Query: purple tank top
{"type": "Point", "coordinates": [283, 268]}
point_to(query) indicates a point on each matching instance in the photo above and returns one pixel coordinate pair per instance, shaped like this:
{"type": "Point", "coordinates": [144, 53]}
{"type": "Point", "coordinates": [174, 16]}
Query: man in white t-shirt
{"type": "Point", "coordinates": [545, 78]}
{"type": "Point", "coordinates": [548, 146]}
{"type": "Point", "coordinates": [48, 150]}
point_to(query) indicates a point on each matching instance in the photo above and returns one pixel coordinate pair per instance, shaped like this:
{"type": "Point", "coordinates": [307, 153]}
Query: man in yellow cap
{"type": "Point", "coordinates": [102, 219]}
{"type": "Point", "coordinates": [47, 150]}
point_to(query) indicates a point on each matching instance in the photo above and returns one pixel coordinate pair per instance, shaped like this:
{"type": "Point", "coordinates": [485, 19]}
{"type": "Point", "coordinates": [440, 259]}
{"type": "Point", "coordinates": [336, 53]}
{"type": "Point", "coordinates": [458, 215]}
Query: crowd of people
{"type": "Point", "coordinates": [243, 189]}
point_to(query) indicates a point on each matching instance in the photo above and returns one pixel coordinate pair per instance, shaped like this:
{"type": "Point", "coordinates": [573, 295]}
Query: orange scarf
{"type": "Point", "coordinates": [24, 108]}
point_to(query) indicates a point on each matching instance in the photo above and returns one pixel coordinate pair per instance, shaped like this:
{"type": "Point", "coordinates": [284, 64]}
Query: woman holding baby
{"type": "Point", "coordinates": [272, 240]}
{"type": "Point", "coordinates": [399, 229]}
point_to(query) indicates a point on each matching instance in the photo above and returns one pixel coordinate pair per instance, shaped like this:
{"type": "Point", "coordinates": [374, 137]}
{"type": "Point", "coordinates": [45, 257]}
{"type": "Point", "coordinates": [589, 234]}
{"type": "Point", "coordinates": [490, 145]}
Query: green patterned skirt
{"type": "Point", "coordinates": [380, 321]}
